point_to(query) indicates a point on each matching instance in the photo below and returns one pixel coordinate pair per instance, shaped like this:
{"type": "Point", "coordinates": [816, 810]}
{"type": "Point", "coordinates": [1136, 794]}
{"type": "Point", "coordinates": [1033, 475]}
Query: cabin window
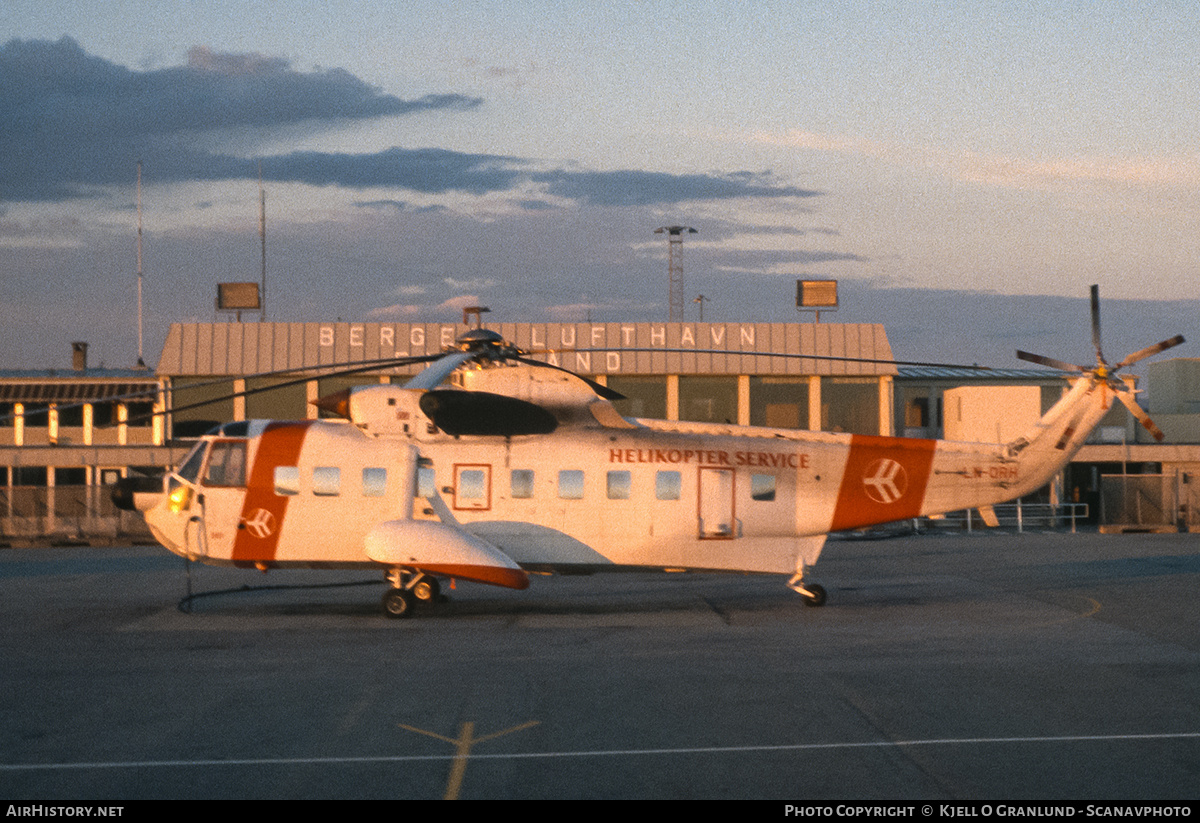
{"type": "Point", "coordinates": [327, 481]}
{"type": "Point", "coordinates": [570, 484]}
{"type": "Point", "coordinates": [668, 485]}
{"type": "Point", "coordinates": [762, 487]}
{"type": "Point", "coordinates": [374, 482]}
{"type": "Point", "coordinates": [226, 464]}
{"type": "Point", "coordinates": [287, 480]}
{"type": "Point", "coordinates": [619, 484]}
{"type": "Point", "coordinates": [426, 481]}
{"type": "Point", "coordinates": [521, 483]}
{"type": "Point", "coordinates": [472, 485]}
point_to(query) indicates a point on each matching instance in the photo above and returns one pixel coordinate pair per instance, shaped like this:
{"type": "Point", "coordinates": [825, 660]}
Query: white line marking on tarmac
{"type": "Point", "coordinates": [792, 747]}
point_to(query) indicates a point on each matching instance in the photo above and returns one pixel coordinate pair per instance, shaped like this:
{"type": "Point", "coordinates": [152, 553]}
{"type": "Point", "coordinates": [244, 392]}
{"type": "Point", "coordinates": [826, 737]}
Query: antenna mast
{"type": "Point", "coordinates": [140, 362]}
{"type": "Point", "coordinates": [675, 269]}
{"type": "Point", "coordinates": [262, 234]}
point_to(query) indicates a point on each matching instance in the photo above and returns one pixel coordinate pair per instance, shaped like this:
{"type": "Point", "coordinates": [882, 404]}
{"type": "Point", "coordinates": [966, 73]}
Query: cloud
{"type": "Point", "coordinates": [395, 311]}
{"type": "Point", "coordinates": [69, 120]}
{"type": "Point", "coordinates": [72, 123]}
{"type": "Point", "coordinates": [643, 188]}
{"type": "Point", "coordinates": [423, 170]}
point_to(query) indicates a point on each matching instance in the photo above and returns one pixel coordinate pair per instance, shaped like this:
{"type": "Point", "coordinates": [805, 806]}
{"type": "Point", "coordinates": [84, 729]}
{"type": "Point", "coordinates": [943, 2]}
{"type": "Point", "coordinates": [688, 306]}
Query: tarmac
{"type": "Point", "coordinates": [975, 666]}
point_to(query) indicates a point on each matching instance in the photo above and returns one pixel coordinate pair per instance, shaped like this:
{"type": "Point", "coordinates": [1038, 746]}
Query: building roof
{"type": "Point", "coordinates": [589, 348]}
{"type": "Point", "coordinates": [56, 385]}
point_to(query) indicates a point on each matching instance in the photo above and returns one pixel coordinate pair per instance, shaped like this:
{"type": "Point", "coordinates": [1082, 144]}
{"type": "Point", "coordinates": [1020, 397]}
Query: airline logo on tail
{"type": "Point", "coordinates": [885, 481]}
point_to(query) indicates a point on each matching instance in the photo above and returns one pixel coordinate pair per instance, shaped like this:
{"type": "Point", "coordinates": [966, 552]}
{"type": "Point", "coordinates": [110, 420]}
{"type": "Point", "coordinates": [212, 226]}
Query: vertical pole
{"type": "Point", "coordinates": [675, 269]}
{"type": "Point", "coordinates": [262, 234]}
{"type": "Point", "coordinates": [140, 361]}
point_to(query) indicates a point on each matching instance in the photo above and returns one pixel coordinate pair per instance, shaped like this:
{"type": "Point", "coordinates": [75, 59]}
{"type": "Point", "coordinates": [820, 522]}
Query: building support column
{"type": "Point", "coordinates": [887, 418]}
{"type": "Point", "coordinates": [814, 403]}
{"type": "Point", "coordinates": [239, 400]}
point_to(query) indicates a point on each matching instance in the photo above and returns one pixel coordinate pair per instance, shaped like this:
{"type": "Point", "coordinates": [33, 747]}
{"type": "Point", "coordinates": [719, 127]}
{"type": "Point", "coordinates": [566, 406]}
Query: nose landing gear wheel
{"type": "Point", "coordinates": [815, 596]}
{"type": "Point", "coordinates": [398, 603]}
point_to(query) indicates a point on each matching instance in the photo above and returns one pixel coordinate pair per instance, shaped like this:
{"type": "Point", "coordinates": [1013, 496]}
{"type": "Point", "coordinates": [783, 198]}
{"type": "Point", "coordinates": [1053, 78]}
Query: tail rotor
{"type": "Point", "coordinates": [1102, 374]}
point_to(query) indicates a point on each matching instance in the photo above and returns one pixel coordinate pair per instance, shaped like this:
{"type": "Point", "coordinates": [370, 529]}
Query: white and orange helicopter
{"type": "Point", "coordinates": [518, 467]}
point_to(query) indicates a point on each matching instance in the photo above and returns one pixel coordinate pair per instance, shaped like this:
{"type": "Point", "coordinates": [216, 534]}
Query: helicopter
{"type": "Point", "coordinates": [489, 466]}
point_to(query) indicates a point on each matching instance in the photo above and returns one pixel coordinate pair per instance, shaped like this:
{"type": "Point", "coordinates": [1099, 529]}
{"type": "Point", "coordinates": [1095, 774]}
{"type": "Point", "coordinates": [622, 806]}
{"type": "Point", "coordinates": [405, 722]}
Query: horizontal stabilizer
{"type": "Point", "coordinates": [442, 550]}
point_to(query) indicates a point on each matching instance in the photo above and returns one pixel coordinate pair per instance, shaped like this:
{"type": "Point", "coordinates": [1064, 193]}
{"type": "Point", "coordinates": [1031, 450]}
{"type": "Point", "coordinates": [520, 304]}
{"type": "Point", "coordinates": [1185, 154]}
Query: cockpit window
{"type": "Point", "coordinates": [190, 469]}
{"type": "Point", "coordinates": [226, 464]}
{"type": "Point", "coordinates": [237, 428]}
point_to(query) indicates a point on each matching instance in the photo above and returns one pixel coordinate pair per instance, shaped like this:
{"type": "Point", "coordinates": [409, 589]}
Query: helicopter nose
{"type": "Point", "coordinates": [137, 492]}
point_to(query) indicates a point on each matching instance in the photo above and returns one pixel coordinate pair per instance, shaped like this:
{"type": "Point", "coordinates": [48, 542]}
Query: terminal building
{"type": "Point", "coordinates": [85, 428]}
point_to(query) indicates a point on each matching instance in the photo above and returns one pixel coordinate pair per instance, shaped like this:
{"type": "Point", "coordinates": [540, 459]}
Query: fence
{"type": "Point", "coordinates": [1017, 515]}
{"type": "Point", "coordinates": [1149, 502]}
{"type": "Point", "coordinates": [42, 514]}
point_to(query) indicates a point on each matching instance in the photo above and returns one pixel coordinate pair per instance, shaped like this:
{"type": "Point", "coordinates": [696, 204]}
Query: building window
{"type": "Point", "coordinates": [779, 402]}
{"type": "Point", "coordinates": [70, 415]}
{"type": "Point", "coordinates": [644, 396]}
{"type": "Point", "coordinates": [208, 404]}
{"type": "Point", "coordinates": [104, 414]}
{"type": "Point", "coordinates": [141, 414]}
{"type": "Point", "coordinates": [850, 404]}
{"type": "Point", "coordinates": [289, 402]}
{"type": "Point", "coordinates": [708, 399]}
{"type": "Point", "coordinates": [29, 475]}
{"type": "Point", "coordinates": [70, 477]}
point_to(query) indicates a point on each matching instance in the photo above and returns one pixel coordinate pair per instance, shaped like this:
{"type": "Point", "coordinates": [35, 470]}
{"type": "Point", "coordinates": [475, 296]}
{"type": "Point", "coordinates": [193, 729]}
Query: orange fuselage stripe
{"type": "Point", "coordinates": [885, 480]}
{"type": "Point", "coordinates": [279, 445]}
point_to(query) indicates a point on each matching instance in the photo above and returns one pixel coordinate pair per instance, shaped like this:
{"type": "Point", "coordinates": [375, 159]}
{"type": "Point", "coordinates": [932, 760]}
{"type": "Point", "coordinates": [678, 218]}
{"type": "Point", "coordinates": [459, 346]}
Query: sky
{"type": "Point", "coordinates": [965, 170]}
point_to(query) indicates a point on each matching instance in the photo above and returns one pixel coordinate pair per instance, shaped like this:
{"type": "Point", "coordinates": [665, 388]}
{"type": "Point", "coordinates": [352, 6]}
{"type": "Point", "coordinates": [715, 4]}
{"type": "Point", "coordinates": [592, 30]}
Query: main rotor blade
{"type": "Point", "coordinates": [358, 368]}
{"type": "Point", "coordinates": [1141, 416]}
{"type": "Point", "coordinates": [434, 375]}
{"type": "Point", "coordinates": [1043, 360]}
{"type": "Point", "coordinates": [1096, 324]}
{"type": "Point", "coordinates": [735, 353]}
{"type": "Point", "coordinates": [602, 391]}
{"type": "Point", "coordinates": [1149, 350]}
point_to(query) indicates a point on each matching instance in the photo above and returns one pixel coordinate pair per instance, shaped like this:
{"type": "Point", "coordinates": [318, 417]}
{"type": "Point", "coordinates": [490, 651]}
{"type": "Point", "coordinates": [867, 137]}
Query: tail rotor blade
{"type": "Point", "coordinates": [1043, 360]}
{"type": "Point", "coordinates": [1141, 416]}
{"type": "Point", "coordinates": [1149, 350]}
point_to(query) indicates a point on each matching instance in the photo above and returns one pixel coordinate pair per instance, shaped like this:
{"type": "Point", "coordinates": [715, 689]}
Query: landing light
{"type": "Point", "coordinates": [179, 496]}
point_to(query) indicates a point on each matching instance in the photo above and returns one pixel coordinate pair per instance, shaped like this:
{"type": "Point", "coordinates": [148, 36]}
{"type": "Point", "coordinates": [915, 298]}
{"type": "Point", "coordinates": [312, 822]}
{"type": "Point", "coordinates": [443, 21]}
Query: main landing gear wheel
{"type": "Point", "coordinates": [815, 596]}
{"type": "Point", "coordinates": [427, 590]}
{"type": "Point", "coordinates": [398, 603]}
